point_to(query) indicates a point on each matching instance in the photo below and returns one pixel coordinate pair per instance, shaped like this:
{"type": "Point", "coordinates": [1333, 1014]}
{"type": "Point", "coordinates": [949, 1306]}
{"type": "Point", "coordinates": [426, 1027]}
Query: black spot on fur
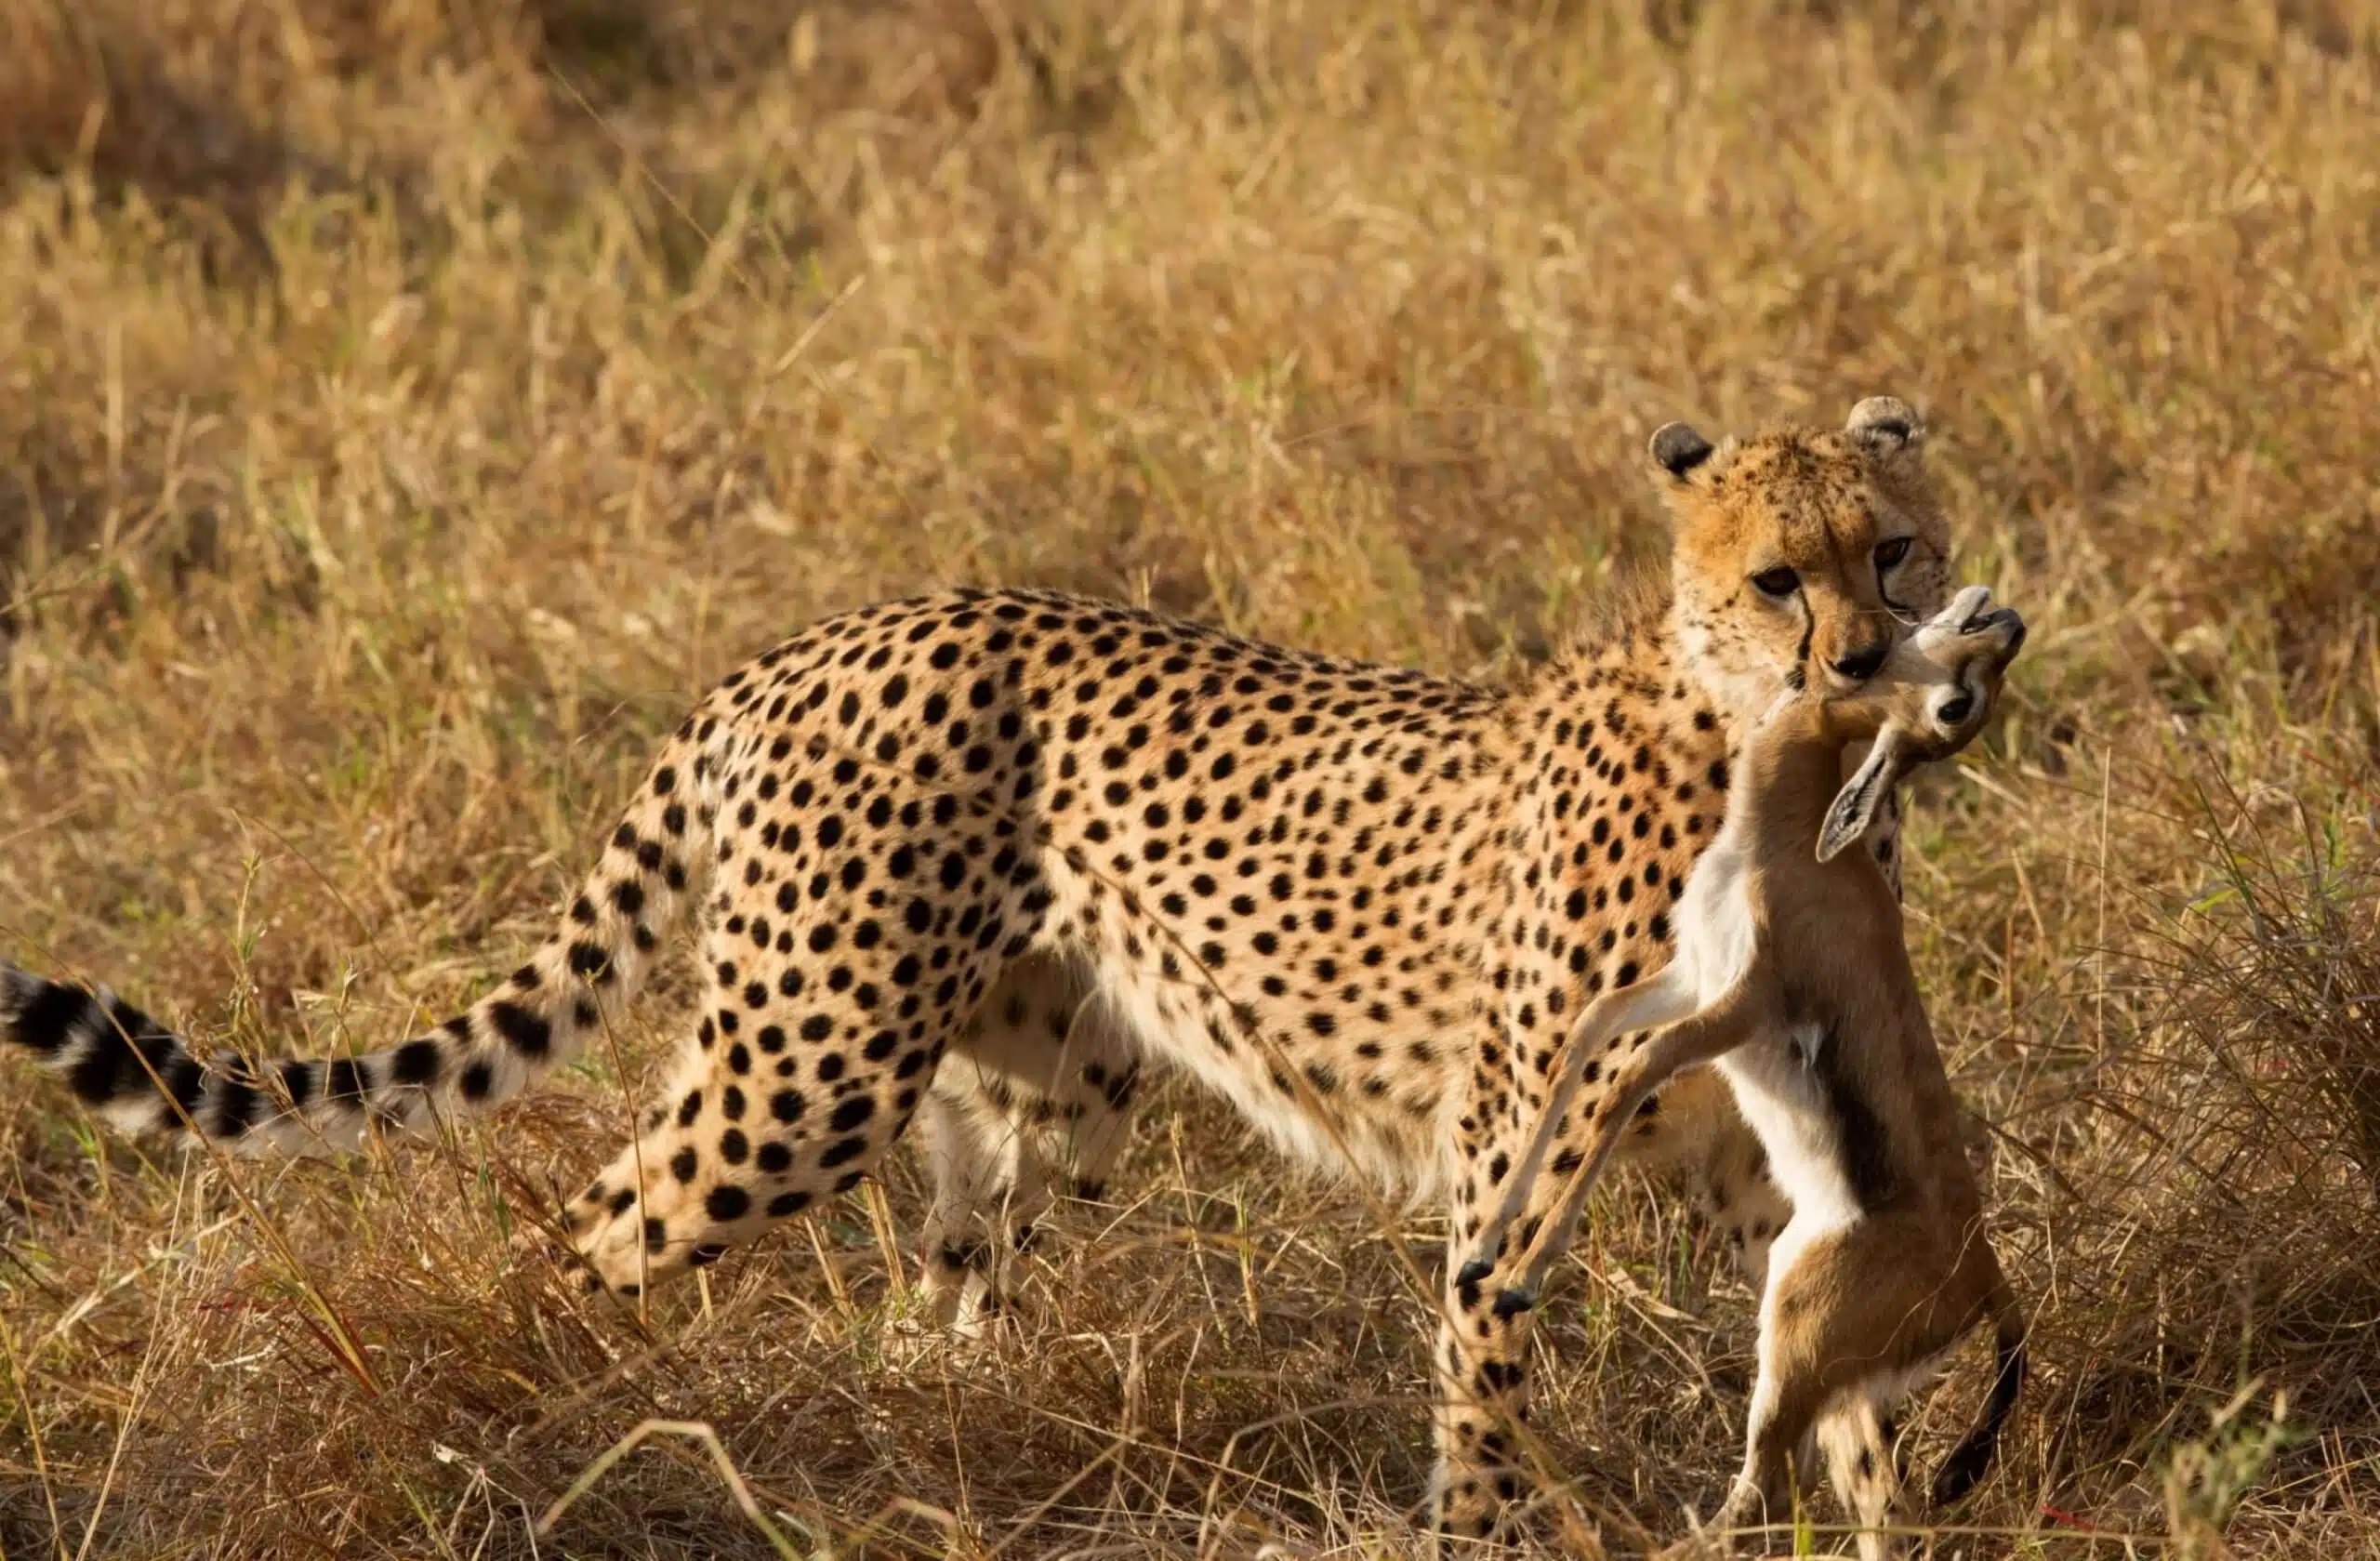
{"type": "Point", "coordinates": [345, 1082]}
{"type": "Point", "coordinates": [44, 1023]}
{"type": "Point", "coordinates": [417, 1062]}
{"type": "Point", "coordinates": [236, 1103]}
{"type": "Point", "coordinates": [1512, 1302]}
{"type": "Point", "coordinates": [525, 1031]}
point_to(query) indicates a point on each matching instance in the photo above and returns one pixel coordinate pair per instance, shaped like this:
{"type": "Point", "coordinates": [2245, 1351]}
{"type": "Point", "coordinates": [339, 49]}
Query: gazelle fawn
{"type": "Point", "coordinates": [1793, 976]}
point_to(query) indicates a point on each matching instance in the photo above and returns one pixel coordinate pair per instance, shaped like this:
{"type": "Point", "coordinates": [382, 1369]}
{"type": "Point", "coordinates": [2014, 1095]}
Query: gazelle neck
{"type": "Point", "coordinates": [1790, 768]}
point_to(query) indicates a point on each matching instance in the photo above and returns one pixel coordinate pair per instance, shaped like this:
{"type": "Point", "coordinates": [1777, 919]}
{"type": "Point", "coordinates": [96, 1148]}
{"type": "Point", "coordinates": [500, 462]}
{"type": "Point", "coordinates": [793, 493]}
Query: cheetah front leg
{"type": "Point", "coordinates": [1486, 1319]}
{"type": "Point", "coordinates": [1691, 1128]}
{"type": "Point", "coordinates": [1487, 1315]}
{"type": "Point", "coordinates": [1859, 1444]}
{"type": "Point", "coordinates": [1480, 1364]}
{"type": "Point", "coordinates": [1520, 1202]}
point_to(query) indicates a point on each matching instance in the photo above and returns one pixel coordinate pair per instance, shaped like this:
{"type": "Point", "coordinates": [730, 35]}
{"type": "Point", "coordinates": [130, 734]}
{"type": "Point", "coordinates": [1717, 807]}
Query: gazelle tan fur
{"type": "Point", "coordinates": [1792, 975]}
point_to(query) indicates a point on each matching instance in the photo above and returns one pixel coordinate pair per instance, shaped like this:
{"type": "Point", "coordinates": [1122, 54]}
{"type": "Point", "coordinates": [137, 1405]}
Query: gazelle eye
{"type": "Point", "coordinates": [1892, 552]}
{"type": "Point", "coordinates": [1780, 582]}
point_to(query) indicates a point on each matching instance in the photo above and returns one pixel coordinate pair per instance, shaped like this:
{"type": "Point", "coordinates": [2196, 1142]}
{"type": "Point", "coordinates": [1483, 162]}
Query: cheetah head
{"type": "Point", "coordinates": [1802, 556]}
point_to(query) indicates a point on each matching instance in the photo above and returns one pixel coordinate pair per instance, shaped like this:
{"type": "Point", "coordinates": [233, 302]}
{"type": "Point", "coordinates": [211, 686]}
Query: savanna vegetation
{"type": "Point", "coordinates": [406, 408]}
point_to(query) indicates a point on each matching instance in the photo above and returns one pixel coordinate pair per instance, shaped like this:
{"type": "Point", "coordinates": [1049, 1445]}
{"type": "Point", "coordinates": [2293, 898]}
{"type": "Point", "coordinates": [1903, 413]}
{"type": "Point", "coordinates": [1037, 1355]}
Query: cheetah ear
{"type": "Point", "coordinates": [1887, 427]}
{"type": "Point", "coordinates": [1679, 450]}
{"type": "Point", "coordinates": [1855, 806]}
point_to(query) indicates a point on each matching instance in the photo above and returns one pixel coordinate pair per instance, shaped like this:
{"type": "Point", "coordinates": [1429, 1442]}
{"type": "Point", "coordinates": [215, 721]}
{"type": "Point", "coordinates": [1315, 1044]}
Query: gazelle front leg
{"type": "Point", "coordinates": [1491, 1300]}
{"type": "Point", "coordinates": [1610, 1042]}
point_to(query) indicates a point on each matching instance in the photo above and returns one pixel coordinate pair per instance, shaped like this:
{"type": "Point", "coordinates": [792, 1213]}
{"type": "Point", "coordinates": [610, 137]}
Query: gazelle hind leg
{"type": "Point", "coordinates": [1789, 1392]}
{"type": "Point", "coordinates": [1872, 1301]}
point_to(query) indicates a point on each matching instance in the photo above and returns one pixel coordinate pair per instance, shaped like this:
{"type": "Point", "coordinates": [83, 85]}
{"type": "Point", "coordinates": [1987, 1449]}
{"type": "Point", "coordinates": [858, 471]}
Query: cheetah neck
{"type": "Point", "coordinates": [1741, 699]}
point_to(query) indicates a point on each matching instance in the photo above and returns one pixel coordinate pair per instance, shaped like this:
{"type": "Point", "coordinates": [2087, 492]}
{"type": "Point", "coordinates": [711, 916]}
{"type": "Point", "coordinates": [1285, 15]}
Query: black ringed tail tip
{"type": "Point", "coordinates": [143, 1078]}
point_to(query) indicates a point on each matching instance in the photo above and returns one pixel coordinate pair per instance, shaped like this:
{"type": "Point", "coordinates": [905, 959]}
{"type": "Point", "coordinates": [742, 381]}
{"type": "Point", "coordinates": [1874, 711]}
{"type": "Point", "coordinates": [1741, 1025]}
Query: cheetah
{"type": "Point", "coordinates": [1791, 973]}
{"type": "Point", "coordinates": [975, 859]}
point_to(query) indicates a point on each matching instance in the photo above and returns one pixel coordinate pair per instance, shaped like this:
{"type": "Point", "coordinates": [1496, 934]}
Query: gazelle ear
{"type": "Point", "coordinates": [1855, 806]}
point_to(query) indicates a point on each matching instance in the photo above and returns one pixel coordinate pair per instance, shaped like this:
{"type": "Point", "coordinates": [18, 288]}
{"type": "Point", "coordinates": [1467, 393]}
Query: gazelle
{"type": "Point", "coordinates": [1792, 975]}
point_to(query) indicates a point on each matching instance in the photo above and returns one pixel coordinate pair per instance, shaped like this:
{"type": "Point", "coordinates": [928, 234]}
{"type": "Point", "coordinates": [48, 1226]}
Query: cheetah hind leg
{"type": "Point", "coordinates": [1037, 1097]}
{"type": "Point", "coordinates": [790, 1094]}
{"type": "Point", "coordinates": [987, 1181]}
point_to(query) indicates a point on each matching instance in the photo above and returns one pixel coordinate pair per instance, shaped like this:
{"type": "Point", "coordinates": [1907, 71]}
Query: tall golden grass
{"type": "Point", "coordinates": [406, 408]}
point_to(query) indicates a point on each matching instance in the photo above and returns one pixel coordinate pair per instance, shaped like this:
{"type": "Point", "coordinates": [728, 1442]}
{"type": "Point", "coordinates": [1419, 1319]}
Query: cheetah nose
{"type": "Point", "coordinates": [1860, 664]}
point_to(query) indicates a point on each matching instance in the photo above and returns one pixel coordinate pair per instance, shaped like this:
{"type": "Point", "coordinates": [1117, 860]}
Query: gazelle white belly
{"type": "Point", "coordinates": [1778, 1090]}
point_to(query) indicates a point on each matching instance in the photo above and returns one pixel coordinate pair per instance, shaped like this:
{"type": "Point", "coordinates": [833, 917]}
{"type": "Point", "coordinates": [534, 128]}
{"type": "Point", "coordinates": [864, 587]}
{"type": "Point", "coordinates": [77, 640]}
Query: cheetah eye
{"type": "Point", "coordinates": [1890, 553]}
{"type": "Point", "coordinates": [1780, 582]}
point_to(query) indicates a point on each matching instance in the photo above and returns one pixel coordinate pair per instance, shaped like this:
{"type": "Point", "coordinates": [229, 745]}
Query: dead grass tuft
{"type": "Point", "coordinates": [405, 409]}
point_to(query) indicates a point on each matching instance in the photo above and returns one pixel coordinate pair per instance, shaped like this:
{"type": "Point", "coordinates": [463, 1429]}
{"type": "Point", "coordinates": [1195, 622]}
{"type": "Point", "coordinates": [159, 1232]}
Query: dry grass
{"type": "Point", "coordinates": [405, 409]}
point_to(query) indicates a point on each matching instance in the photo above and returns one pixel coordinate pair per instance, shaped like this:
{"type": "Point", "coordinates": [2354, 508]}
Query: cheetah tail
{"type": "Point", "coordinates": [143, 1078]}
